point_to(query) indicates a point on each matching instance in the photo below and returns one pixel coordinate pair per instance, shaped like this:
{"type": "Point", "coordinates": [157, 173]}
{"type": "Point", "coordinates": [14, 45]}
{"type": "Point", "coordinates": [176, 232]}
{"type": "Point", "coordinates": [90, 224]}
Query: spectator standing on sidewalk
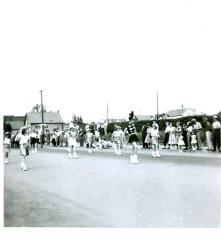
{"type": "Point", "coordinates": [167, 134]}
{"type": "Point", "coordinates": [184, 134]}
{"type": "Point", "coordinates": [197, 127]}
{"type": "Point", "coordinates": [144, 134]}
{"type": "Point", "coordinates": [216, 133]}
{"type": "Point", "coordinates": [189, 130]}
{"type": "Point", "coordinates": [208, 132]}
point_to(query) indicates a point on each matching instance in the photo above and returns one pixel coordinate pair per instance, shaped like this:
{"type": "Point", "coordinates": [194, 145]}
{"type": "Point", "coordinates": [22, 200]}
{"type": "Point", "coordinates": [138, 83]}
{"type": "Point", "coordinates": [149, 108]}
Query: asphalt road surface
{"type": "Point", "coordinates": [105, 190]}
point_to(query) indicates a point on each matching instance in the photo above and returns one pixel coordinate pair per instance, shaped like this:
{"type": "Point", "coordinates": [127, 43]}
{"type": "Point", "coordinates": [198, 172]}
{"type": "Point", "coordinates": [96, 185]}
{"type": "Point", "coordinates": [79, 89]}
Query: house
{"type": "Point", "coordinates": [182, 112]}
{"type": "Point", "coordinates": [16, 122]}
{"type": "Point", "coordinates": [52, 119]}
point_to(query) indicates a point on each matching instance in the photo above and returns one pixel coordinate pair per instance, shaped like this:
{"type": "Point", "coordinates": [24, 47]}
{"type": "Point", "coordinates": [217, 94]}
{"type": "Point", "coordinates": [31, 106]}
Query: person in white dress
{"type": "Point", "coordinates": [155, 140]}
{"type": "Point", "coordinates": [89, 139]}
{"type": "Point", "coordinates": [24, 141]}
{"type": "Point", "coordinates": [194, 141]}
{"type": "Point", "coordinates": [118, 139]}
{"type": "Point", "coordinates": [71, 136]}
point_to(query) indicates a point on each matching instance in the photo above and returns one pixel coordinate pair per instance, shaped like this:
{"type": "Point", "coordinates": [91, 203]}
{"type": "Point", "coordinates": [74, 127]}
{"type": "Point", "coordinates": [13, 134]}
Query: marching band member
{"type": "Point", "coordinates": [133, 139]}
{"type": "Point", "coordinates": [71, 136]}
{"type": "Point", "coordinates": [155, 140]}
{"type": "Point", "coordinates": [118, 138]}
{"type": "Point", "coordinates": [89, 139]}
{"type": "Point", "coordinates": [24, 140]}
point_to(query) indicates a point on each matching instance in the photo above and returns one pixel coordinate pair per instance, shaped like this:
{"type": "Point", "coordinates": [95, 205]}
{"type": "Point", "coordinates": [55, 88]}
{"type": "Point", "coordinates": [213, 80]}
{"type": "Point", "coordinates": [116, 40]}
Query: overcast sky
{"type": "Point", "coordinates": [85, 54]}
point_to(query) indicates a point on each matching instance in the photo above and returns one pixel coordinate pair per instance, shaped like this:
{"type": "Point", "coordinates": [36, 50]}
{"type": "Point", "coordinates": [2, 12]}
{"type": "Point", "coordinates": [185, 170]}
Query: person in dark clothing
{"type": "Point", "coordinates": [144, 134]}
{"type": "Point", "coordinates": [167, 134]}
{"type": "Point", "coordinates": [185, 136]}
{"type": "Point", "coordinates": [216, 126]}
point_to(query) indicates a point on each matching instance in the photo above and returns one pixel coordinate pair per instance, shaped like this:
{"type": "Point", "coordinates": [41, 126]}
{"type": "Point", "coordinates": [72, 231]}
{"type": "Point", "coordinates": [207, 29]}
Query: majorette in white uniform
{"type": "Point", "coordinates": [71, 136]}
{"type": "Point", "coordinates": [118, 138]}
{"type": "Point", "coordinates": [24, 140]}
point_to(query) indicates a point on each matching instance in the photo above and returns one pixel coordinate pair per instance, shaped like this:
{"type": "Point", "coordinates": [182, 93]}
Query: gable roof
{"type": "Point", "coordinates": [181, 112]}
{"type": "Point", "coordinates": [49, 117]}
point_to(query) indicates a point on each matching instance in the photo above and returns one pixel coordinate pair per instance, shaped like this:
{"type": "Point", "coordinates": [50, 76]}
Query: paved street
{"type": "Point", "coordinates": [105, 190]}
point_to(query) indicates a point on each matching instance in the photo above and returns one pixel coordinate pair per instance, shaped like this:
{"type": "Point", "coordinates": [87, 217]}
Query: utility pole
{"type": "Point", "coordinates": [42, 120]}
{"type": "Point", "coordinates": [107, 113]}
{"type": "Point", "coordinates": [157, 106]}
{"type": "Point", "coordinates": [42, 110]}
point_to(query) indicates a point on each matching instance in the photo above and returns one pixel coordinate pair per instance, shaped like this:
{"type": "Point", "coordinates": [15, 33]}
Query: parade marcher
{"type": "Point", "coordinates": [33, 139]}
{"type": "Point", "coordinates": [89, 139]}
{"type": "Point", "coordinates": [197, 127]}
{"type": "Point", "coordinates": [133, 139]}
{"type": "Point", "coordinates": [208, 132]}
{"type": "Point", "coordinates": [118, 139]}
{"type": "Point", "coordinates": [155, 141]}
{"type": "Point", "coordinates": [167, 134]}
{"type": "Point", "coordinates": [216, 126]}
{"type": "Point", "coordinates": [24, 140]}
{"type": "Point", "coordinates": [71, 136]}
{"type": "Point", "coordinates": [7, 145]}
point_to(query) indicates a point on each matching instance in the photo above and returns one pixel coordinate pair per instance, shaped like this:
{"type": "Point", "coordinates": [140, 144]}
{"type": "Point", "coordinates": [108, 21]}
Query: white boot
{"type": "Point", "coordinates": [153, 154]}
{"type": "Point", "coordinates": [119, 152]}
{"type": "Point", "coordinates": [133, 158]}
{"type": "Point", "coordinates": [36, 150]}
{"type": "Point", "coordinates": [75, 155]}
{"type": "Point", "coordinates": [157, 154]}
{"type": "Point", "coordinates": [24, 168]}
{"type": "Point", "coordinates": [70, 155]}
{"type": "Point", "coordinates": [89, 150]}
{"type": "Point", "coordinates": [6, 160]}
{"type": "Point", "coordinates": [22, 165]}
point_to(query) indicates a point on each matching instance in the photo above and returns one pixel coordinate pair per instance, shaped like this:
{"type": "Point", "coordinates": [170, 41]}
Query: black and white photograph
{"type": "Point", "coordinates": [111, 116]}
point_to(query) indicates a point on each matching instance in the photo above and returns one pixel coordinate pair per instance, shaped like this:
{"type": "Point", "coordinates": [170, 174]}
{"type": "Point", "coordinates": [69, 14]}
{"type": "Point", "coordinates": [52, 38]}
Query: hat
{"type": "Point", "coordinates": [193, 120]}
{"type": "Point", "coordinates": [215, 117]}
{"type": "Point", "coordinates": [7, 133]}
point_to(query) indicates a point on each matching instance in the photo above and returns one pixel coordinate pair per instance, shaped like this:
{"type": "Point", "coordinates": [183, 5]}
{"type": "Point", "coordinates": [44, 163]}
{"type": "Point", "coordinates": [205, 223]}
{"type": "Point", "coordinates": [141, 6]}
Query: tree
{"type": "Point", "coordinates": [77, 119]}
{"type": "Point", "coordinates": [37, 108]}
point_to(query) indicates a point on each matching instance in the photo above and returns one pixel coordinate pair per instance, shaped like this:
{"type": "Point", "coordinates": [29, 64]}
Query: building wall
{"type": "Point", "coordinates": [51, 126]}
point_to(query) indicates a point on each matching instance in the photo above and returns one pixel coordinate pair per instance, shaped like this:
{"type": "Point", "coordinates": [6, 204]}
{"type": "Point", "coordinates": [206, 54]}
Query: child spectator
{"type": "Point", "coordinates": [193, 141]}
